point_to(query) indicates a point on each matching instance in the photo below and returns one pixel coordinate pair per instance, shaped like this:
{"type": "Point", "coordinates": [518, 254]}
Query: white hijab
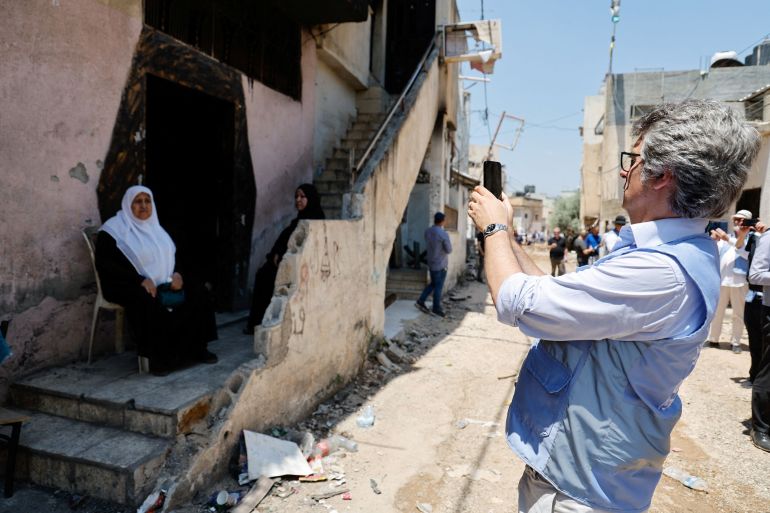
{"type": "Point", "coordinates": [145, 243]}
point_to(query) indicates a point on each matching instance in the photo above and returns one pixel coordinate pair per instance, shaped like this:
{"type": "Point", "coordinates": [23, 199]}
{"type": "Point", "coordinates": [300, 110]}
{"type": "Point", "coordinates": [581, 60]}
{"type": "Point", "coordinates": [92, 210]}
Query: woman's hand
{"type": "Point", "coordinates": [149, 286]}
{"type": "Point", "coordinates": [176, 281]}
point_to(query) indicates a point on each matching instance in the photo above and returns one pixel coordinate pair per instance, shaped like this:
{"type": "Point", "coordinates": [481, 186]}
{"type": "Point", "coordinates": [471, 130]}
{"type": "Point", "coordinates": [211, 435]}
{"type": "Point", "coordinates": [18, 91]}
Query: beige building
{"type": "Point", "coordinates": [350, 95]}
{"type": "Point", "coordinates": [624, 97]}
{"type": "Point", "coordinates": [527, 214]}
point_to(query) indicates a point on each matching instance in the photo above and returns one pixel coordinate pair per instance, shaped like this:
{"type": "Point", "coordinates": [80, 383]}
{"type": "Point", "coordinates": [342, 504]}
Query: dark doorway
{"type": "Point", "coordinates": [189, 167]}
{"type": "Point", "coordinates": [411, 25]}
{"type": "Point", "coordinates": [749, 200]}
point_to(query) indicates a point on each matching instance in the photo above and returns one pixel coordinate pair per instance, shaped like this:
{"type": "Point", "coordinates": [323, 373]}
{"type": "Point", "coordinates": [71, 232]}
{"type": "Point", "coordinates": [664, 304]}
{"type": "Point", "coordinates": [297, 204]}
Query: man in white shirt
{"type": "Point", "coordinates": [612, 237]}
{"type": "Point", "coordinates": [733, 266]}
{"type": "Point", "coordinates": [597, 397]}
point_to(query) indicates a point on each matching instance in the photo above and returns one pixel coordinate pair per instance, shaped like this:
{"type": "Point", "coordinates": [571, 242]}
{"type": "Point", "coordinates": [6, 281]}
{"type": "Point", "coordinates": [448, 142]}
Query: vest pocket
{"type": "Point", "coordinates": [541, 392]}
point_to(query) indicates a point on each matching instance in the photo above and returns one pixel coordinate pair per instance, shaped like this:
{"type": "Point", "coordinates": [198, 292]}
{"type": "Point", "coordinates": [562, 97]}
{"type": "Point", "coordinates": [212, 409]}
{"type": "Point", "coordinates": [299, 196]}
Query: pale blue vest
{"type": "Point", "coordinates": [595, 417]}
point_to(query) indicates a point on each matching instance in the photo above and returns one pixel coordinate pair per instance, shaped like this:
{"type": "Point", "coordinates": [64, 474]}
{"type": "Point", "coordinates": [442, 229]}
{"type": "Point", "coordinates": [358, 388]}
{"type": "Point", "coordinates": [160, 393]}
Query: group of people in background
{"type": "Point", "coordinates": [744, 268]}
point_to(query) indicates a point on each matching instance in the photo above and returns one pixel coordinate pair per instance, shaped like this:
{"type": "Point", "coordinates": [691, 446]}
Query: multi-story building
{"type": "Point", "coordinates": [223, 107]}
{"type": "Point", "coordinates": [624, 97]}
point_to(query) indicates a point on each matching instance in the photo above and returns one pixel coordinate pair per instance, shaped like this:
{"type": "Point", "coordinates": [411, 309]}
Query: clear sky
{"type": "Point", "coordinates": [557, 52]}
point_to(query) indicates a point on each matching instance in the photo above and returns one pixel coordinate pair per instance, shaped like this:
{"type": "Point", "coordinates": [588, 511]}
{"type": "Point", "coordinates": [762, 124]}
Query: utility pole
{"type": "Point", "coordinates": [615, 17]}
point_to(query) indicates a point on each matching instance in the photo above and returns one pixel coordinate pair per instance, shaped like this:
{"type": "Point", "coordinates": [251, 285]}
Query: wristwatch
{"type": "Point", "coordinates": [494, 228]}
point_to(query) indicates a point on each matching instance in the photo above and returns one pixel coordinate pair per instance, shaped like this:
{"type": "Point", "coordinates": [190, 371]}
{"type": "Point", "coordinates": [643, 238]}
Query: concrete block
{"type": "Point", "coordinates": [84, 458]}
{"type": "Point", "coordinates": [150, 423]}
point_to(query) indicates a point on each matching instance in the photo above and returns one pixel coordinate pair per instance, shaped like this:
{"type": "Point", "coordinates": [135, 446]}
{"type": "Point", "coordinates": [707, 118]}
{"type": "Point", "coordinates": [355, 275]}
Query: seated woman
{"type": "Point", "coordinates": [171, 321]}
{"type": "Point", "coordinates": [308, 205]}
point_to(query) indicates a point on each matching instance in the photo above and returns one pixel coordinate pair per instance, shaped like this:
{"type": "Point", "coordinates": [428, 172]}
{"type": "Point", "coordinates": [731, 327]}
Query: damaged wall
{"type": "Point", "coordinates": [312, 349]}
{"type": "Point", "coordinates": [65, 73]}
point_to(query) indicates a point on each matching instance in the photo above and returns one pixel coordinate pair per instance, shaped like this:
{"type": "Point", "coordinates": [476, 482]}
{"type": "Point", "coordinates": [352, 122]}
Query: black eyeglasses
{"type": "Point", "coordinates": [627, 162]}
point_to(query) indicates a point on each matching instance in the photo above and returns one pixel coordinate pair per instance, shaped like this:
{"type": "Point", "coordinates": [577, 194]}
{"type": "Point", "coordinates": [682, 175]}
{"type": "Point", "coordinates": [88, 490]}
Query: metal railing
{"type": "Point", "coordinates": [399, 104]}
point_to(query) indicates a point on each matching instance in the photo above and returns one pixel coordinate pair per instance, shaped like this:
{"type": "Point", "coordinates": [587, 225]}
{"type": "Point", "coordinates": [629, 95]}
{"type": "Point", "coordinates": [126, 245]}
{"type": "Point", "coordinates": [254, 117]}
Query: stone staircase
{"type": "Point", "coordinates": [106, 431]}
{"type": "Point", "coordinates": [336, 178]}
{"type": "Point", "coordinates": [406, 283]}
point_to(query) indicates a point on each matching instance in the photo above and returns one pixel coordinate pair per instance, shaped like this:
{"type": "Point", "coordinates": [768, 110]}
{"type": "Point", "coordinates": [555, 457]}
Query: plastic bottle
{"type": "Point", "coordinates": [686, 479]}
{"type": "Point", "coordinates": [329, 445]}
{"type": "Point", "coordinates": [366, 419]}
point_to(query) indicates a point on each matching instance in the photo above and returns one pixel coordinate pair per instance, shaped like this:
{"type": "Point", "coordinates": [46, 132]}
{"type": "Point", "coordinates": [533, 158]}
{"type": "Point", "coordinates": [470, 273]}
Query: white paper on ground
{"type": "Point", "coordinates": [271, 457]}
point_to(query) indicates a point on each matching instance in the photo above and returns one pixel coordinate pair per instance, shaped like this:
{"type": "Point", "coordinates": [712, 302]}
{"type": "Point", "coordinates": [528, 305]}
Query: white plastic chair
{"type": "Point", "coordinates": [88, 235]}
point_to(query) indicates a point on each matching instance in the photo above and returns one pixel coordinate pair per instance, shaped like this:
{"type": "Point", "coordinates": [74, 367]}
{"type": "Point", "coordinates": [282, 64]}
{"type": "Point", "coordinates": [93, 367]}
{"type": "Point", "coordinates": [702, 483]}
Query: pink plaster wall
{"type": "Point", "coordinates": [281, 144]}
{"type": "Point", "coordinates": [63, 70]}
{"type": "Point", "coordinates": [64, 67]}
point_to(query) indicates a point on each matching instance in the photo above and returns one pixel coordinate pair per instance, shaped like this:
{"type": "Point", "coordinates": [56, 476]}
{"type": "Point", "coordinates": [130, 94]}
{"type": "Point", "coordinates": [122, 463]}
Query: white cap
{"type": "Point", "coordinates": [743, 214]}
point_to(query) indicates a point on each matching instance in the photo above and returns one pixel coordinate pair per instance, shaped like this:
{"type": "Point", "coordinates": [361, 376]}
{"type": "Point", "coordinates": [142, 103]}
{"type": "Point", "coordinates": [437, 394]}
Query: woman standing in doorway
{"type": "Point", "coordinates": [308, 205]}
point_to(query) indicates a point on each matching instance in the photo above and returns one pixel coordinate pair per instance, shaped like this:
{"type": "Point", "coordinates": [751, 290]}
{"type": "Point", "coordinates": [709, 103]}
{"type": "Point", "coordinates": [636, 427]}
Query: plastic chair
{"type": "Point", "coordinates": [88, 235]}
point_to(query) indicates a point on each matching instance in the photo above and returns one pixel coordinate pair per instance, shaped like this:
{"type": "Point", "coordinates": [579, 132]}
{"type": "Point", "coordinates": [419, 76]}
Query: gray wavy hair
{"type": "Point", "coordinates": [707, 148]}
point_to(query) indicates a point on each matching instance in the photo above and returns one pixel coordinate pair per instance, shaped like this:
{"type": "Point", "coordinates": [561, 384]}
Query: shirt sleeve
{"type": "Point", "coordinates": [446, 243]}
{"type": "Point", "coordinates": [759, 273]}
{"type": "Point", "coordinates": [639, 296]}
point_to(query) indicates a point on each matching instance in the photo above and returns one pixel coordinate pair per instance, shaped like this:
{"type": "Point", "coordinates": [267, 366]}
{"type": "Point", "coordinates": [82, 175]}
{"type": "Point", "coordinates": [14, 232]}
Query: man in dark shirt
{"type": "Point", "coordinates": [580, 247]}
{"type": "Point", "coordinates": [556, 244]}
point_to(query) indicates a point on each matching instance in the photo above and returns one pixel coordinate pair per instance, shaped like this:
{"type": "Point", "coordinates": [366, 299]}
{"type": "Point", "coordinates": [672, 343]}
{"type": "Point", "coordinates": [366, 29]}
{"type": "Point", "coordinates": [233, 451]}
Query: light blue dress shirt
{"type": "Point", "coordinates": [638, 296]}
{"type": "Point", "coordinates": [596, 398]}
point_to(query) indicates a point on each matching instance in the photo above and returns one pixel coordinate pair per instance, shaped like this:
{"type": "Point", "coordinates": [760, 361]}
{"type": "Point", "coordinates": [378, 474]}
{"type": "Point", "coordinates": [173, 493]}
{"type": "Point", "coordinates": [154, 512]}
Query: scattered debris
{"type": "Point", "coordinates": [347, 496]}
{"type": "Point", "coordinates": [327, 495]}
{"type": "Point", "coordinates": [153, 503]}
{"type": "Point", "coordinates": [424, 507]}
{"type": "Point", "coordinates": [373, 484]}
{"type": "Point", "coordinates": [473, 473]}
{"type": "Point", "coordinates": [256, 495]}
{"type": "Point", "coordinates": [385, 362]}
{"type": "Point", "coordinates": [462, 423]}
{"type": "Point", "coordinates": [271, 457]}
{"type": "Point", "coordinates": [366, 419]}
{"type": "Point", "coordinates": [76, 501]}
{"type": "Point", "coordinates": [396, 354]}
{"type": "Point", "coordinates": [514, 375]}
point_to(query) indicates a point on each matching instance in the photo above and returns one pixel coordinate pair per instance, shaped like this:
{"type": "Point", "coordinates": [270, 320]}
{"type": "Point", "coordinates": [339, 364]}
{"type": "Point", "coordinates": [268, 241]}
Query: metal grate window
{"type": "Point", "coordinates": [250, 36]}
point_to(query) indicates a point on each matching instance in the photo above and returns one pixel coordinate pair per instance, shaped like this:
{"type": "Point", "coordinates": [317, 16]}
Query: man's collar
{"type": "Point", "coordinates": [661, 231]}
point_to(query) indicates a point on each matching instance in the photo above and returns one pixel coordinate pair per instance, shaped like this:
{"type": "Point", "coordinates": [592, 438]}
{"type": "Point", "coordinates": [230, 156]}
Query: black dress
{"type": "Point", "coordinates": [264, 281]}
{"type": "Point", "coordinates": [167, 337]}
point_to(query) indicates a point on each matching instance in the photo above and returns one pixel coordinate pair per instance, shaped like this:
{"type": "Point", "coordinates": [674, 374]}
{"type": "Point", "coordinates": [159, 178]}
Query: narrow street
{"type": "Point", "coordinates": [437, 444]}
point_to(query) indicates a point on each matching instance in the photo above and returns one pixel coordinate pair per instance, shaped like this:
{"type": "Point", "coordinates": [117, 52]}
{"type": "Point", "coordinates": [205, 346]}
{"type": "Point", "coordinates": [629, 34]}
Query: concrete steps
{"type": "Point", "coordinates": [85, 458]}
{"type": "Point", "coordinates": [335, 180]}
{"type": "Point", "coordinates": [105, 430]}
{"type": "Point", "coordinates": [406, 283]}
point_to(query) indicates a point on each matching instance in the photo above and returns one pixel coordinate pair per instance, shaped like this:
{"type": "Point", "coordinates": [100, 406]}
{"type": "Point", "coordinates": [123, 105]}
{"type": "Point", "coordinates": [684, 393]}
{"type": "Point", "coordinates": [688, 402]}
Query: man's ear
{"type": "Point", "coordinates": [666, 180]}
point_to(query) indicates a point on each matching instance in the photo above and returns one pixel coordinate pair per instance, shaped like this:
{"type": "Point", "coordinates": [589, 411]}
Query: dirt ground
{"type": "Point", "coordinates": [437, 444]}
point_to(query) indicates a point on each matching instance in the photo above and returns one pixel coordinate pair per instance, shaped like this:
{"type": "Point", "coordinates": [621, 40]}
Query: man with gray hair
{"type": "Point", "coordinates": [597, 397]}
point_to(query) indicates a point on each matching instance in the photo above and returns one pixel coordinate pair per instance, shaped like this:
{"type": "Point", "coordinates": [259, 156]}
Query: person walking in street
{"type": "Point", "coordinates": [759, 274]}
{"type": "Point", "coordinates": [581, 251]}
{"type": "Point", "coordinates": [439, 247]}
{"type": "Point", "coordinates": [557, 245]}
{"type": "Point", "coordinates": [612, 237]}
{"type": "Point", "coordinates": [597, 397]}
{"type": "Point", "coordinates": [480, 257]}
{"type": "Point", "coordinates": [733, 266]}
{"type": "Point", "coordinates": [593, 243]}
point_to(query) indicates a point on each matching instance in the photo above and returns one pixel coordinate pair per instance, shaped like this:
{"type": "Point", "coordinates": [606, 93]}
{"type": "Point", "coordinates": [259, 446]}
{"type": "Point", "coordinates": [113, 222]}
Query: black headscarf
{"type": "Point", "coordinates": [313, 209]}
